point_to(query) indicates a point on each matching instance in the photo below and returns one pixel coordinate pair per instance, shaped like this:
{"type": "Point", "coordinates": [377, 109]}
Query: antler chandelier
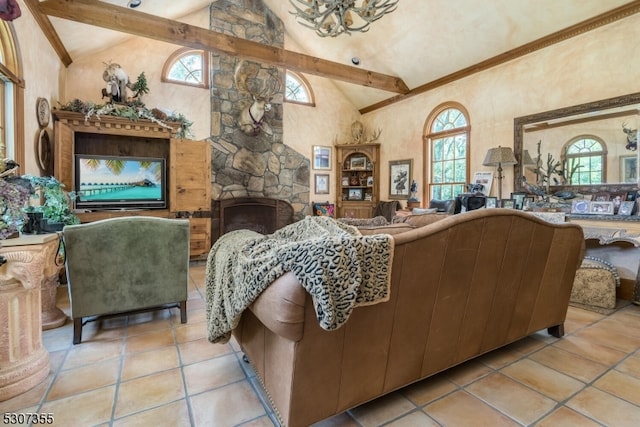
{"type": "Point", "coordinates": [334, 17]}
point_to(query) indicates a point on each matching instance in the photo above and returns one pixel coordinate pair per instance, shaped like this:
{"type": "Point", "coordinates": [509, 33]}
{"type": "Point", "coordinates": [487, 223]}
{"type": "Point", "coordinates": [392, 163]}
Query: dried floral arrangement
{"type": "Point", "coordinates": [133, 110]}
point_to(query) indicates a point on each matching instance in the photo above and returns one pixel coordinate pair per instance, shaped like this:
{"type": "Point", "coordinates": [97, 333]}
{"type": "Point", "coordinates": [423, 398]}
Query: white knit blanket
{"type": "Point", "coordinates": [338, 267]}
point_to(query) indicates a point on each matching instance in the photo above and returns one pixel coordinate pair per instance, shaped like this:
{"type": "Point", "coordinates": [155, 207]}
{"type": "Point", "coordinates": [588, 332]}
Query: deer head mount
{"type": "Point", "coordinates": [632, 137]}
{"type": "Point", "coordinates": [261, 90]}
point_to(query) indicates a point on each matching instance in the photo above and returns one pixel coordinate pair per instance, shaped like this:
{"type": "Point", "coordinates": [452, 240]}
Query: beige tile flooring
{"type": "Point", "coordinates": [151, 370]}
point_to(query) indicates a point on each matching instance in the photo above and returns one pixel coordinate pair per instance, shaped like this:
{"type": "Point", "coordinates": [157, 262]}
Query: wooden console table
{"type": "Point", "coordinates": [28, 278]}
{"type": "Point", "coordinates": [609, 229]}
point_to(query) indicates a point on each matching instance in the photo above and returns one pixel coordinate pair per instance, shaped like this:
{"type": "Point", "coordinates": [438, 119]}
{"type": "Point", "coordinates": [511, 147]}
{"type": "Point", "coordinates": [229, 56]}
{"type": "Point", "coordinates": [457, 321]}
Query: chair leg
{"type": "Point", "coordinates": [77, 330]}
{"type": "Point", "coordinates": [183, 312]}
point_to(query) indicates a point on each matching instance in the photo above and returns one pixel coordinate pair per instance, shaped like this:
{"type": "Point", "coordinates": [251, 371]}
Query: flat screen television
{"type": "Point", "coordinates": [117, 182]}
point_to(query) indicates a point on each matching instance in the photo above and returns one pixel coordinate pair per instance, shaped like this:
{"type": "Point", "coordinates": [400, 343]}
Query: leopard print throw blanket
{"type": "Point", "coordinates": [338, 267]}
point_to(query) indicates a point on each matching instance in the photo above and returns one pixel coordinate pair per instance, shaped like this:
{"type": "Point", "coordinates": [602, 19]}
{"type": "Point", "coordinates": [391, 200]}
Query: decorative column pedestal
{"type": "Point", "coordinates": [30, 265]}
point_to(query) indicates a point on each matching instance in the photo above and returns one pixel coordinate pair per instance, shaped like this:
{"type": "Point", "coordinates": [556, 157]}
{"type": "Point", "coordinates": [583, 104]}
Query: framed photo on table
{"type": "Point", "coordinates": [491, 202]}
{"type": "Point", "coordinates": [601, 208]}
{"type": "Point", "coordinates": [400, 177]}
{"type": "Point", "coordinates": [580, 206]}
{"type": "Point", "coordinates": [321, 157]}
{"type": "Point", "coordinates": [322, 183]}
{"type": "Point", "coordinates": [508, 203]}
{"type": "Point", "coordinates": [519, 199]}
{"type": "Point", "coordinates": [626, 208]}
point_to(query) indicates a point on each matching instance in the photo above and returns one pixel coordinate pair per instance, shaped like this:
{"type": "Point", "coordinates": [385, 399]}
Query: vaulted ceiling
{"type": "Point", "coordinates": [419, 46]}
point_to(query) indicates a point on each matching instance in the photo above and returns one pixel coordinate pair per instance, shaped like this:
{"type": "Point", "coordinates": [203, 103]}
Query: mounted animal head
{"type": "Point", "coordinates": [252, 117]}
{"type": "Point", "coordinates": [632, 137]}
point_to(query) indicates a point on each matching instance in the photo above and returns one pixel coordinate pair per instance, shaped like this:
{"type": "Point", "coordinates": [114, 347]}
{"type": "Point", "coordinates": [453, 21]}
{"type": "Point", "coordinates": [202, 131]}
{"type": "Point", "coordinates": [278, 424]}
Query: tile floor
{"type": "Point", "coordinates": [151, 370]}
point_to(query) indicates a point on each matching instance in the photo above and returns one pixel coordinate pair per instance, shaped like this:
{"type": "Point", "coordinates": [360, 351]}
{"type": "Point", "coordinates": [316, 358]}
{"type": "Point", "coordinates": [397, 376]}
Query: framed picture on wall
{"type": "Point", "coordinates": [321, 157]}
{"type": "Point", "coordinates": [400, 176]}
{"type": "Point", "coordinates": [629, 168]}
{"type": "Point", "coordinates": [484, 178]}
{"type": "Point", "coordinates": [322, 183]}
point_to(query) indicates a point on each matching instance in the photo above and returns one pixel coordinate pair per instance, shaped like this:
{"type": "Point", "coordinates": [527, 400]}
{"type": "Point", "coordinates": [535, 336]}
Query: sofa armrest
{"type": "Point", "coordinates": [280, 307]}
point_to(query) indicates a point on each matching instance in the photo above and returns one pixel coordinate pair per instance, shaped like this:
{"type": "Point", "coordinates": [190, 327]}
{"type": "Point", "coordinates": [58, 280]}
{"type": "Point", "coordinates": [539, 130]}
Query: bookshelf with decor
{"type": "Point", "coordinates": [357, 180]}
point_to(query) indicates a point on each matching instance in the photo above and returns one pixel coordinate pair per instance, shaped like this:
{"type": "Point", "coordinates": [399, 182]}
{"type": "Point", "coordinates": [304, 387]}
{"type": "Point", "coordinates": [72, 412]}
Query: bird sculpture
{"type": "Point", "coordinates": [565, 194]}
{"type": "Point", "coordinates": [7, 166]}
{"type": "Point", "coordinates": [532, 188]}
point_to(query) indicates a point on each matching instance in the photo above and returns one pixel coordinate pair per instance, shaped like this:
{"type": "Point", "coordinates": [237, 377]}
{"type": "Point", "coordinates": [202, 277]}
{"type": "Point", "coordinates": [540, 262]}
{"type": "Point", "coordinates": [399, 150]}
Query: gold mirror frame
{"type": "Point", "coordinates": [589, 107]}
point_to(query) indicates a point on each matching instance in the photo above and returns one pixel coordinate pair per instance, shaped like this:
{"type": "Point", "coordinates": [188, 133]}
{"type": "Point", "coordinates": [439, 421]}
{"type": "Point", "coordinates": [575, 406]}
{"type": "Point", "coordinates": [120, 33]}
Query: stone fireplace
{"type": "Point", "coordinates": [255, 166]}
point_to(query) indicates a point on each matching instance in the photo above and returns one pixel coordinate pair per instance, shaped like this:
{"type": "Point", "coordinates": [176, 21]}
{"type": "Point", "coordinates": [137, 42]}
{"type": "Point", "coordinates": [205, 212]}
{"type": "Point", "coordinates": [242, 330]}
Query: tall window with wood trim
{"type": "Point", "coordinates": [188, 67]}
{"type": "Point", "coordinates": [298, 89]}
{"type": "Point", "coordinates": [585, 160]}
{"type": "Point", "coordinates": [11, 97]}
{"type": "Point", "coordinates": [447, 151]}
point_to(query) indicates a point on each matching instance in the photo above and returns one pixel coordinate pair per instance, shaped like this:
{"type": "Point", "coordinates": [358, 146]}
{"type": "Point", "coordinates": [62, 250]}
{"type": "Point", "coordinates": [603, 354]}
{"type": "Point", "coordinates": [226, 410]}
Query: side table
{"type": "Point", "coordinates": [29, 274]}
{"type": "Point", "coordinates": [46, 248]}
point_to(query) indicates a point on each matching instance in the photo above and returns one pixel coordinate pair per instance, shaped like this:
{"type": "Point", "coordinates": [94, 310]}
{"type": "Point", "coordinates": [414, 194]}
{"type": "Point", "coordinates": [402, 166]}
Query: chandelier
{"type": "Point", "coordinates": [334, 17]}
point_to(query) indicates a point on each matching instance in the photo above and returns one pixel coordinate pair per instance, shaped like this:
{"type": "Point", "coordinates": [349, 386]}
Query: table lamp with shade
{"type": "Point", "coordinates": [500, 156]}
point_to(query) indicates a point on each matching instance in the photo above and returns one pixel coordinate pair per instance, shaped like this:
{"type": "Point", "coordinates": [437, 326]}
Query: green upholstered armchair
{"type": "Point", "coordinates": [121, 265]}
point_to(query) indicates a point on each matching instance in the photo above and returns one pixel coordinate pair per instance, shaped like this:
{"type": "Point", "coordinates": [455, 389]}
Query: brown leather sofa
{"type": "Point", "coordinates": [461, 287]}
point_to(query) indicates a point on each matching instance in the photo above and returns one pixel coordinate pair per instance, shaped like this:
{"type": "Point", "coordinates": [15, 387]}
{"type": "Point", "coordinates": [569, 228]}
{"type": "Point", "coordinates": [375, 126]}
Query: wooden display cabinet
{"type": "Point", "coordinates": [357, 180]}
{"type": "Point", "coordinates": [188, 166]}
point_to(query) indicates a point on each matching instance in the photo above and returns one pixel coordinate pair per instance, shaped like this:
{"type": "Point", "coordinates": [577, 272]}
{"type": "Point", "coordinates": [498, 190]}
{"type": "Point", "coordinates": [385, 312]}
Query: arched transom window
{"type": "Point", "coordinates": [188, 67]}
{"type": "Point", "coordinates": [298, 89]}
{"type": "Point", "coordinates": [585, 161]}
{"type": "Point", "coordinates": [447, 151]}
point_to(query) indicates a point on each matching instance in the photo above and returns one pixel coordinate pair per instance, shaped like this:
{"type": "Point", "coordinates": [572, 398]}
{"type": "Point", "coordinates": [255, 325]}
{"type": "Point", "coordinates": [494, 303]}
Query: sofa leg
{"type": "Point", "coordinates": [183, 312]}
{"type": "Point", "coordinates": [557, 330]}
{"type": "Point", "coordinates": [77, 330]}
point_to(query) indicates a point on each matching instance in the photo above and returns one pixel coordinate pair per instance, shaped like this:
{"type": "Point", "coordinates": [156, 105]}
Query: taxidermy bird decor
{"type": "Point", "coordinates": [532, 188]}
{"type": "Point", "coordinates": [565, 194]}
{"type": "Point", "coordinates": [7, 166]}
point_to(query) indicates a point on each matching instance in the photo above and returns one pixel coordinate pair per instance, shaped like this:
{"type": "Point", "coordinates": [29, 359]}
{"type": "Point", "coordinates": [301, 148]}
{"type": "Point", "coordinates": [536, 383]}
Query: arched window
{"type": "Point", "coordinates": [298, 90]}
{"type": "Point", "coordinates": [11, 97]}
{"type": "Point", "coordinates": [447, 152]}
{"type": "Point", "coordinates": [188, 67]}
{"type": "Point", "coordinates": [585, 160]}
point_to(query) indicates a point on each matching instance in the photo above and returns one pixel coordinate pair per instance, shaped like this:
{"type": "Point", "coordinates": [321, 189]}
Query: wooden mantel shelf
{"type": "Point", "coordinates": [114, 123]}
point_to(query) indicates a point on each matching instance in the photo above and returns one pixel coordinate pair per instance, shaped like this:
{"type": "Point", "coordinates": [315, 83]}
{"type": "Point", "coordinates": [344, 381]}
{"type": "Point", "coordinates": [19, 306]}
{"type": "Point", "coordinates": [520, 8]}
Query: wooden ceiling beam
{"type": "Point", "coordinates": [49, 32]}
{"type": "Point", "coordinates": [154, 27]}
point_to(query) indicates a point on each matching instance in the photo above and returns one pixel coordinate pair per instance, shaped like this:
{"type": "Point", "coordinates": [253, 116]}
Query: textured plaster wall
{"type": "Point", "coordinates": [136, 55]}
{"type": "Point", "coordinates": [600, 64]}
{"type": "Point", "coordinates": [44, 76]}
{"type": "Point", "coordinates": [306, 126]}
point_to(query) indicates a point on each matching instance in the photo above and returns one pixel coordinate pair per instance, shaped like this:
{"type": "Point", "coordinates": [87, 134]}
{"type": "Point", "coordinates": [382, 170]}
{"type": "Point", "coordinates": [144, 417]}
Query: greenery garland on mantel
{"type": "Point", "coordinates": [134, 111]}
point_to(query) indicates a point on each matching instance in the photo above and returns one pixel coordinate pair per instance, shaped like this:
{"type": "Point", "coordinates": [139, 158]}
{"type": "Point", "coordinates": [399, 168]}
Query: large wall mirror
{"type": "Point", "coordinates": [594, 143]}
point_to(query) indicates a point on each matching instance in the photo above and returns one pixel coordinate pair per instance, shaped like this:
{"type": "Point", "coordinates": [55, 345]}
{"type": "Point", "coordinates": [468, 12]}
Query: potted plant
{"type": "Point", "coordinates": [13, 198]}
{"type": "Point", "coordinates": [56, 203]}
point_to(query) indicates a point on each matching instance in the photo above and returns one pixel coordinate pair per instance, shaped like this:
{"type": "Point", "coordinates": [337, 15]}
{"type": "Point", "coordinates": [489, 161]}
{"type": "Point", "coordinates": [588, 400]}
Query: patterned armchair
{"type": "Point", "coordinates": [122, 265]}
